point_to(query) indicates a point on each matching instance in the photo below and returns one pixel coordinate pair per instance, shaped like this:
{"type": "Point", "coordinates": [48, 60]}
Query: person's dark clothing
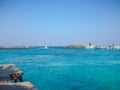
{"type": "Point", "coordinates": [20, 79]}
{"type": "Point", "coordinates": [15, 80]}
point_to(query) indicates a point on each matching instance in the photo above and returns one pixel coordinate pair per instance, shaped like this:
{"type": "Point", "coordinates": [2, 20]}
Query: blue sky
{"type": "Point", "coordinates": [59, 22]}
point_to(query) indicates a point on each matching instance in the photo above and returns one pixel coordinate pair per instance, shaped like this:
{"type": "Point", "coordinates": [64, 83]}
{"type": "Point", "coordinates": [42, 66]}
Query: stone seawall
{"type": "Point", "coordinates": [5, 81]}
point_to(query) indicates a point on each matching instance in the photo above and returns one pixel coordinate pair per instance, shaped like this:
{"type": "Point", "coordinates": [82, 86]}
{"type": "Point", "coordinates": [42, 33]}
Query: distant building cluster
{"type": "Point", "coordinates": [92, 46]}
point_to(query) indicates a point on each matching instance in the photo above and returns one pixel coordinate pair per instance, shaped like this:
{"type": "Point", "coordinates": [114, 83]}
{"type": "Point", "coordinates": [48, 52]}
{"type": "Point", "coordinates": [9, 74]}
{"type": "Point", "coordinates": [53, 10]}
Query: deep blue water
{"type": "Point", "coordinates": [67, 69]}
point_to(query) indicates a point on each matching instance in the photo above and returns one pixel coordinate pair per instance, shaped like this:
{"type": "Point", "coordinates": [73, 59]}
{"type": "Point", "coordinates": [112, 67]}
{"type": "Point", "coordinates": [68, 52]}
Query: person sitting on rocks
{"type": "Point", "coordinates": [17, 76]}
{"type": "Point", "coordinates": [14, 78]}
{"type": "Point", "coordinates": [20, 77]}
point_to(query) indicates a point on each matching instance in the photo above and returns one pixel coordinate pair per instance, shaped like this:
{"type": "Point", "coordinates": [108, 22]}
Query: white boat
{"type": "Point", "coordinates": [46, 47]}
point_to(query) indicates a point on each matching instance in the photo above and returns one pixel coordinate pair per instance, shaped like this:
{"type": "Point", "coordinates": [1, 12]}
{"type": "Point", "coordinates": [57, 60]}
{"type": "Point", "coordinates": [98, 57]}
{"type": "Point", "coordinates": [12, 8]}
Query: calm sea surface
{"type": "Point", "coordinates": [67, 69]}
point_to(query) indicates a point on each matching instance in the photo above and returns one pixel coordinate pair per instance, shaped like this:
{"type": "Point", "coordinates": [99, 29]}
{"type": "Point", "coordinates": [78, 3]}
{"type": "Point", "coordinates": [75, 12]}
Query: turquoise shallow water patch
{"type": "Point", "coordinates": [67, 69]}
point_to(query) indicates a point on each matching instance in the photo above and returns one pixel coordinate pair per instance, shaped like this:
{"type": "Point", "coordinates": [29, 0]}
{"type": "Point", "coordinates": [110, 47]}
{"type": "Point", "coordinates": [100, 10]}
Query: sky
{"type": "Point", "coordinates": [59, 22]}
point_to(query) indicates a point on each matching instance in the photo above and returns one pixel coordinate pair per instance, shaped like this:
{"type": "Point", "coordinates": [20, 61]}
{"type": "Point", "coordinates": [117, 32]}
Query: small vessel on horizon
{"type": "Point", "coordinates": [46, 47]}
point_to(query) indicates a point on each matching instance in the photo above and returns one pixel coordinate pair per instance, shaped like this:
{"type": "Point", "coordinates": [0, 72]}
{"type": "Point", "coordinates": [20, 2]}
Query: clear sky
{"type": "Point", "coordinates": [59, 22]}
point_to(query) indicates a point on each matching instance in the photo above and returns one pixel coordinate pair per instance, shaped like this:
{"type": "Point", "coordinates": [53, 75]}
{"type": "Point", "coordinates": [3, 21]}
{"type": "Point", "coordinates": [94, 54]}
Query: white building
{"type": "Point", "coordinates": [90, 46]}
{"type": "Point", "coordinates": [116, 47]}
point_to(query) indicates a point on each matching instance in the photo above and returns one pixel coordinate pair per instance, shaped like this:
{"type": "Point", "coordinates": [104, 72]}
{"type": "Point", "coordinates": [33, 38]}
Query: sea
{"type": "Point", "coordinates": [67, 69]}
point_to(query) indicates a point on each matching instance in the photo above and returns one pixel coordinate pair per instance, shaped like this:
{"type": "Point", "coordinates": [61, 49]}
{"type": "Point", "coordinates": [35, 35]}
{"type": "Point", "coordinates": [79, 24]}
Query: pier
{"type": "Point", "coordinates": [5, 81]}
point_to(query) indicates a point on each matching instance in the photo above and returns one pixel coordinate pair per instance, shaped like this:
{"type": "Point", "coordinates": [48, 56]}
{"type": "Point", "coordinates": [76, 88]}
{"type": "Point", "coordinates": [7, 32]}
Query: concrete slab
{"type": "Point", "coordinates": [18, 86]}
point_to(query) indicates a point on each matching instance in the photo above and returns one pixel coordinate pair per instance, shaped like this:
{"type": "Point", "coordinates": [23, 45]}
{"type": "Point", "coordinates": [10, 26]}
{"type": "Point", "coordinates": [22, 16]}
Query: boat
{"type": "Point", "coordinates": [46, 47]}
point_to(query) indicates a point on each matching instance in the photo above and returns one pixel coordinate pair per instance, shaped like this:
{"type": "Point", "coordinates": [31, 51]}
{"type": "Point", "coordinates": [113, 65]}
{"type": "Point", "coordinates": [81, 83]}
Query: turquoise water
{"type": "Point", "coordinates": [67, 69]}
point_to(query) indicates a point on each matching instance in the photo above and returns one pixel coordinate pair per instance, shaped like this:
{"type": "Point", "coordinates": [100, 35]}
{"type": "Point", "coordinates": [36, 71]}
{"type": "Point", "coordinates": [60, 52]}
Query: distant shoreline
{"type": "Point", "coordinates": [14, 47]}
{"type": "Point", "coordinates": [19, 48]}
{"type": "Point", "coordinates": [89, 46]}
